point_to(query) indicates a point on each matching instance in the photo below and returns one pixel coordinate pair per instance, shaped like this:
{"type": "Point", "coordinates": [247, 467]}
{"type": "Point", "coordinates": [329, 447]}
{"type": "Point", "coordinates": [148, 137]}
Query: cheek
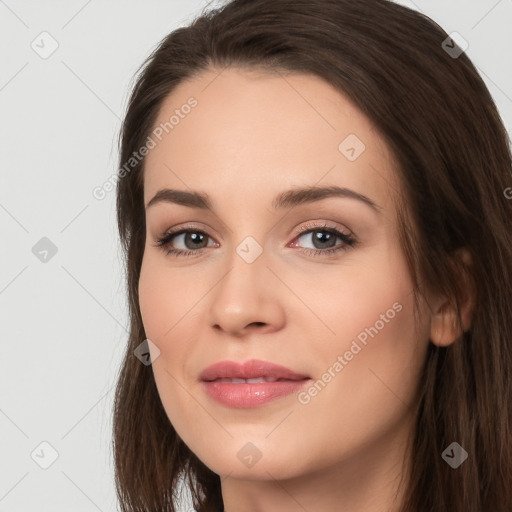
{"type": "Point", "coordinates": [369, 377]}
{"type": "Point", "coordinates": [164, 315]}
{"type": "Point", "coordinates": [169, 311]}
{"type": "Point", "coordinates": [369, 354]}
{"type": "Point", "coordinates": [163, 299]}
{"type": "Point", "coordinates": [152, 301]}
{"type": "Point", "coordinates": [365, 397]}
{"type": "Point", "coordinates": [371, 344]}
{"type": "Point", "coordinates": [365, 298]}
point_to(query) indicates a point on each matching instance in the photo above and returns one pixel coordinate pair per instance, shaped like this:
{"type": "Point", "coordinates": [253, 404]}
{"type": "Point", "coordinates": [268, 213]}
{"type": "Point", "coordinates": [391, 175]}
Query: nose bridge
{"type": "Point", "coordinates": [246, 275]}
{"type": "Point", "coordinates": [245, 294]}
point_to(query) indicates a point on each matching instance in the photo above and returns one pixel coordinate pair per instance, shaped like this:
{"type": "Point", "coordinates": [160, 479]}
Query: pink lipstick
{"type": "Point", "coordinates": [250, 384]}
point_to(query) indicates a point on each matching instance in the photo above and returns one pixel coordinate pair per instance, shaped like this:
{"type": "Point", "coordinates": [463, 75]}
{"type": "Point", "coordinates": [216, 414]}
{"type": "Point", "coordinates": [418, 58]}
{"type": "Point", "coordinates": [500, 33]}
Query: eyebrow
{"type": "Point", "coordinates": [287, 199]}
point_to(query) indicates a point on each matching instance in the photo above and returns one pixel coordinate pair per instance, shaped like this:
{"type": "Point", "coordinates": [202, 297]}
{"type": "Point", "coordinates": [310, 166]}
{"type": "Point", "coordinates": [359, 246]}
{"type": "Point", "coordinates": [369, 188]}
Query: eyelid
{"type": "Point", "coordinates": [324, 225]}
{"type": "Point", "coordinates": [185, 227]}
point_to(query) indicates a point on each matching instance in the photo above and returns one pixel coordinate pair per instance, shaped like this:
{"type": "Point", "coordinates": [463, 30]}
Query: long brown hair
{"type": "Point", "coordinates": [454, 167]}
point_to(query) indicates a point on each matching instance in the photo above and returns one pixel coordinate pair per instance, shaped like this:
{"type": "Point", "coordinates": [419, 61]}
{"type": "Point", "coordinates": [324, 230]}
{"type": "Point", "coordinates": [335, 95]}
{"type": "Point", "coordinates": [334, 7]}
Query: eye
{"type": "Point", "coordinates": [323, 239]}
{"type": "Point", "coordinates": [193, 238]}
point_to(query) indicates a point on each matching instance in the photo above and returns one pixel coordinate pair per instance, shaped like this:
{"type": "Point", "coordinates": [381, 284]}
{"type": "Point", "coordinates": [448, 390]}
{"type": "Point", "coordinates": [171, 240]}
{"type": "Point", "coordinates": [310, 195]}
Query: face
{"type": "Point", "coordinates": [317, 284]}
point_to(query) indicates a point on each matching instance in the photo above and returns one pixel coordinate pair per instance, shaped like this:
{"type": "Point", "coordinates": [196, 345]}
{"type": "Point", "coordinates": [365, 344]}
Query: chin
{"type": "Point", "coordinates": [251, 458]}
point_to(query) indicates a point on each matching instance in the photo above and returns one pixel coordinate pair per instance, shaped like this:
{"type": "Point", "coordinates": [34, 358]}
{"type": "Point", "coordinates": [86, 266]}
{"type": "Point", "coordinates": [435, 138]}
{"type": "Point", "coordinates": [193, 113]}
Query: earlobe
{"type": "Point", "coordinates": [444, 326]}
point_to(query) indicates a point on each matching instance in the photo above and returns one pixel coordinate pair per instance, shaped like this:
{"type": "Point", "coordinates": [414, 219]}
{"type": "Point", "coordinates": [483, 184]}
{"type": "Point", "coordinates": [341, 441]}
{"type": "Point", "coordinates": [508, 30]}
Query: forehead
{"type": "Point", "coordinates": [249, 130]}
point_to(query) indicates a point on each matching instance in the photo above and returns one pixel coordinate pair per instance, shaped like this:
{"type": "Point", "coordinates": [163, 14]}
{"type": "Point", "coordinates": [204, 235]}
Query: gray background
{"type": "Point", "coordinates": [63, 319]}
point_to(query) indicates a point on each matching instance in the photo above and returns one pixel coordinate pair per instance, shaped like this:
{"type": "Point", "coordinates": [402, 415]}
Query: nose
{"type": "Point", "coordinates": [247, 299]}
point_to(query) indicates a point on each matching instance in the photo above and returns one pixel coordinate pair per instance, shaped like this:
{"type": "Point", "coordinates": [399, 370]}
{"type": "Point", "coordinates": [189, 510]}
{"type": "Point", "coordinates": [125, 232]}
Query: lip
{"type": "Point", "coordinates": [251, 369]}
{"type": "Point", "coordinates": [248, 395]}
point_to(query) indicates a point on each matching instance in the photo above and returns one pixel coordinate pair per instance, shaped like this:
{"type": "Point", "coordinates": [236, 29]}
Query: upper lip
{"type": "Point", "coordinates": [251, 369]}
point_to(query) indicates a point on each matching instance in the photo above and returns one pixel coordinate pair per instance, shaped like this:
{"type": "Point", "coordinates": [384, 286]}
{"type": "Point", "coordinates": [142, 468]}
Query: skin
{"type": "Point", "coordinates": [252, 136]}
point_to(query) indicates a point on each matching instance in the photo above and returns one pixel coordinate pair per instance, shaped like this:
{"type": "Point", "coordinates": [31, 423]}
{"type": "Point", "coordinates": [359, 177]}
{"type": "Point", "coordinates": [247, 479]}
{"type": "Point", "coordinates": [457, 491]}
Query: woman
{"type": "Point", "coordinates": [312, 203]}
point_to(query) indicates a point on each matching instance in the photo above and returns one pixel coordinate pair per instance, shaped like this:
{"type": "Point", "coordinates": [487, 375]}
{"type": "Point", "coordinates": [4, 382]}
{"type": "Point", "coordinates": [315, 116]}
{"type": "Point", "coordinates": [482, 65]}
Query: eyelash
{"type": "Point", "coordinates": [348, 241]}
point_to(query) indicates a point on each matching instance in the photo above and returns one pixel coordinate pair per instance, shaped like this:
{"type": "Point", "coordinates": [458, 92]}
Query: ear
{"type": "Point", "coordinates": [444, 325]}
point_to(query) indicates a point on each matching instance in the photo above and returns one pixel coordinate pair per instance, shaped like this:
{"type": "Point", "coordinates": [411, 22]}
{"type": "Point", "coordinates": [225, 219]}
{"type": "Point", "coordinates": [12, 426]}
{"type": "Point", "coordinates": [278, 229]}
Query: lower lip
{"type": "Point", "coordinates": [251, 395]}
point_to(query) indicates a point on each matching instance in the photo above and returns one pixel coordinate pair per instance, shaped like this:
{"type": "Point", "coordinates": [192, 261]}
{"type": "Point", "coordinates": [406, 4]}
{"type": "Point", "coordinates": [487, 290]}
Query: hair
{"type": "Point", "coordinates": [453, 164]}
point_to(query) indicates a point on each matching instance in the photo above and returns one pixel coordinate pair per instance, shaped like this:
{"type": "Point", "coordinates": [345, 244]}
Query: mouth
{"type": "Point", "coordinates": [251, 384]}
